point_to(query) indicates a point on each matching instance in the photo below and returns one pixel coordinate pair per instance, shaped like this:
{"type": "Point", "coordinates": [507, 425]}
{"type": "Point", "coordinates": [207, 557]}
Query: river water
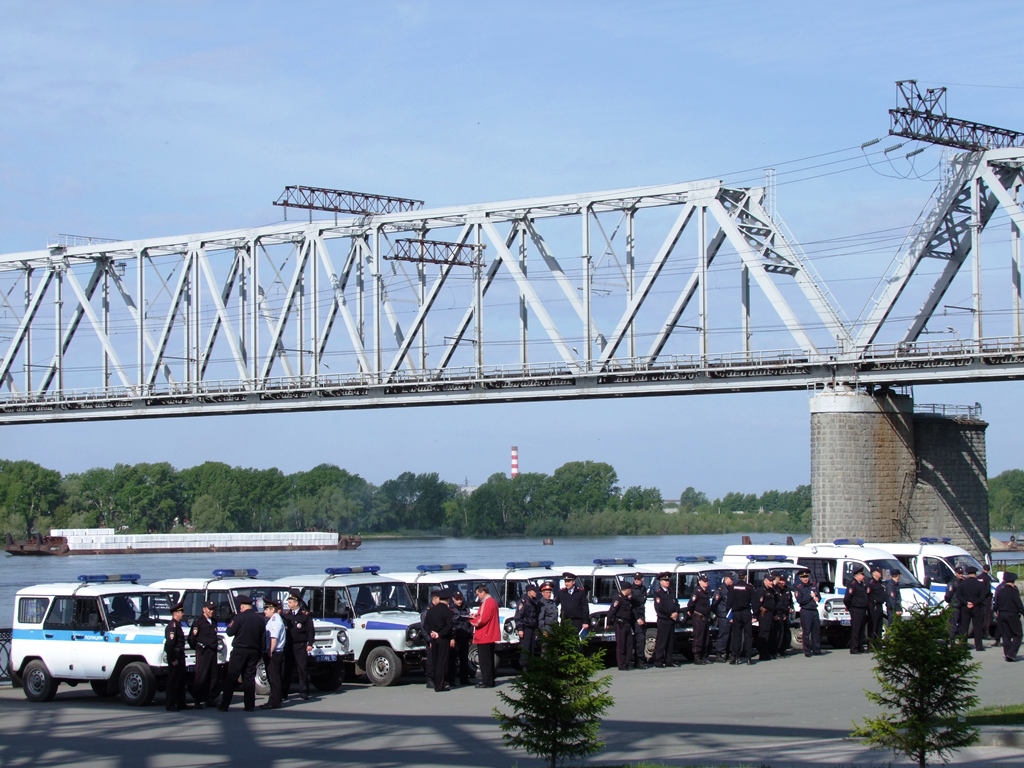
{"type": "Point", "coordinates": [389, 554]}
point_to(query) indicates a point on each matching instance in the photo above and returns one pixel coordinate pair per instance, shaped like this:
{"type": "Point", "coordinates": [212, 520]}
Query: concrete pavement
{"type": "Point", "coordinates": [792, 712]}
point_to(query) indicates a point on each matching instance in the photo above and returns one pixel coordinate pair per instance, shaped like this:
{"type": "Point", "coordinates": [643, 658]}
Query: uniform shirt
{"type": "Point", "coordinates": [805, 594]}
{"type": "Point", "coordinates": [856, 595]}
{"type": "Point", "coordinates": [893, 597]}
{"type": "Point", "coordinates": [1007, 600]}
{"type": "Point", "coordinates": [720, 602]}
{"type": "Point", "coordinates": [700, 602]}
{"type": "Point", "coordinates": [247, 629]}
{"type": "Point", "coordinates": [665, 605]}
{"type": "Point", "coordinates": [953, 593]}
{"type": "Point", "coordinates": [203, 635]}
{"type": "Point", "coordinates": [876, 593]}
{"type": "Point", "coordinates": [741, 598]}
{"type": "Point", "coordinates": [526, 613]}
{"type": "Point", "coordinates": [783, 601]}
{"type": "Point", "coordinates": [460, 618]}
{"type": "Point", "coordinates": [439, 619]}
{"type": "Point", "coordinates": [973, 590]}
{"type": "Point", "coordinates": [299, 623]}
{"type": "Point", "coordinates": [573, 603]}
{"type": "Point", "coordinates": [274, 631]}
{"type": "Point", "coordinates": [766, 600]}
{"type": "Point", "coordinates": [638, 600]}
{"type": "Point", "coordinates": [621, 611]}
{"type": "Point", "coordinates": [174, 641]}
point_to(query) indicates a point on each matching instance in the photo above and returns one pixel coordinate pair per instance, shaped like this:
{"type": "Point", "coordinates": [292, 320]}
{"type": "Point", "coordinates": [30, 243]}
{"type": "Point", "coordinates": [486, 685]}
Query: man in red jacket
{"type": "Point", "coordinates": [486, 633]}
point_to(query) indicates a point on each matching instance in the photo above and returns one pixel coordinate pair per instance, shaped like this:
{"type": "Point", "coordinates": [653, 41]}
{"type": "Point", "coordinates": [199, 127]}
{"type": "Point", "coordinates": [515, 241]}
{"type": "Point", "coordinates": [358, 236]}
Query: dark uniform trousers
{"type": "Point", "coordinates": [810, 627]}
{"type": "Point", "coordinates": [1010, 633]}
{"type": "Point", "coordinates": [663, 641]}
{"type": "Point", "coordinates": [624, 641]}
{"type": "Point", "coordinates": [528, 644]}
{"type": "Point", "coordinates": [858, 627]}
{"type": "Point", "coordinates": [459, 656]}
{"type": "Point", "coordinates": [439, 662]}
{"type": "Point", "coordinates": [206, 664]}
{"type": "Point", "coordinates": [742, 634]}
{"type": "Point", "coordinates": [243, 663]}
{"type": "Point", "coordinates": [274, 663]}
{"type": "Point", "coordinates": [723, 645]}
{"type": "Point", "coordinates": [176, 682]}
{"type": "Point", "coordinates": [701, 635]}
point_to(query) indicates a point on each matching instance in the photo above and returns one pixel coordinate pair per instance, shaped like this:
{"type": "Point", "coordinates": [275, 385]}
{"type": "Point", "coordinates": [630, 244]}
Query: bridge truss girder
{"type": "Point", "coordinates": [236, 320]}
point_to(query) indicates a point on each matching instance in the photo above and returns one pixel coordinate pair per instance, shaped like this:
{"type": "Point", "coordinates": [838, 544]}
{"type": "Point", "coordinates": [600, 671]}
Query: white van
{"type": "Point", "coordinates": [832, 566]}
{"type": "Point", "coordinates": [932, 560]}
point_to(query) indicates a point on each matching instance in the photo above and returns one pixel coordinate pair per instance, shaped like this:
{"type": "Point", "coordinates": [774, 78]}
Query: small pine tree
{"type": "Point", "coordinates": [928, 678]}
{"type": "Point", "coordinates": [558, 713]}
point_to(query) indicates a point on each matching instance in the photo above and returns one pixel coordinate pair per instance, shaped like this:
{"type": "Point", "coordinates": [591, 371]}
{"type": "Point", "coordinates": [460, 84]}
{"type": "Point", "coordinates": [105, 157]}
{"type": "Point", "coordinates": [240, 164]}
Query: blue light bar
{"type": "Point", "coordinates": [844, 542]}
{"type": "Point", "coordinates": [696, 559]}
{"type": "Point", "coordinates": [615, 561]}
{"type": "Point", "coordinates": [768, 558]}
{"type": "Point", "coordinates": [236, 573]}
{"type": "Point", "coordinates": [530, 564]}
{"type": "Point", "coordinates": [935, 540]}
{"type": "Point", "coordinates": [351, 569]}
{"type": "Point", "coordinates": [438, 567]}
{"type": "Point", "coordinates": [102, 578]}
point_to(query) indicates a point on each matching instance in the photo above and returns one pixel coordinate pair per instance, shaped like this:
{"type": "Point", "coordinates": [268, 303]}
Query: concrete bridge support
{"type": "Point", "coordinates": [881, 472]}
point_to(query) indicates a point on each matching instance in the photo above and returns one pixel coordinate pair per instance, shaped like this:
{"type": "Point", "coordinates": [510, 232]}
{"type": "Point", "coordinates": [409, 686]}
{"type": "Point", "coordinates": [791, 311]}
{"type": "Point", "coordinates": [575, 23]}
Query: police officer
{"type": "Point", "coordinates": [638, 597]}
{"type": "Point", "coordinates": [301, 633]}
{"type": "Point", "coordinates": [990, 581]}
{"type": "Point", "coordinates": [808, 597]}
{"type": "Point", "coordinates": [698, 608]}
{"type": "Point", "coordinates": [783, 610]}
{"type": "Point", "coordinates": [463, 636]}
{"type": "Point", "coordinates": [857, 602]}
{"type": "Point", "coordinates": [952, 599]}
{"type": "Point", "coordinates": [877, 594]}
{"type": "Point", "coordinates": [742, 600]}
{"type": "Point", "coordinates": [667, 609]}
{"type": "Point", "coordinates": [720, 608]}
{"type": "Point", "coordinates": [273, 652]}
{"type": "Point", "coordinates": [202, 638]}
{"type": "Point", "coordinates": [174, 648]}
{"type": "Point", "coordinates": [620, 618]}
{"type": "Point", "coordinates": [547, 609]}
{"type": "Point", "coordinates": [439, 626]}
{"type": "Point", "coordinates": [428, 658]}
{"type": "Point", "coordinates": [974, 596]}
{"type": "Point", "coordinates": [572, 601]}
{"type": "Point", "coordinates": [526, 622]}
{"type": "Point", "coordinates": [1008, 609]}
{"type": "Point", "coordinates": [767, 626]}
{"type": "Point", "coordinates": [246, 627]}
{"type": "Point", "coordinates": [893, 597]}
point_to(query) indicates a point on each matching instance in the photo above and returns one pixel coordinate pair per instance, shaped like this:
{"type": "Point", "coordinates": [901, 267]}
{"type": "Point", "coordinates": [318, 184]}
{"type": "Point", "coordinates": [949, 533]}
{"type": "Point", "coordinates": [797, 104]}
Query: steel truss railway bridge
{"type": "Point", "coordinates": [576, 296]}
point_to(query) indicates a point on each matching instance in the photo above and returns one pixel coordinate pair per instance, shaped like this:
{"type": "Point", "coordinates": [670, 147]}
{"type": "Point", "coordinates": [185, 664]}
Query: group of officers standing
{"type": "Point", "coordinates": [282, 638]}
{"type": "Point", "coordinates": [974, 607]}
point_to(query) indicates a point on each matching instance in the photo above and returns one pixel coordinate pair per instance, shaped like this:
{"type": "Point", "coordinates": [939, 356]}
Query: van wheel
{"type": "Point", "coordinates": [104, 688]}
{"type": "Point", "coordinates": [650, 641]}
{"type": "Point", "coordinates": [262, 680]}
{"type": "Point", "coordinates": [383, 667]}
{"type": "Point", "coordinates": [138, 684]}
{"type": "Point", "coordinates": [37, 682]}
{"type": "Point", "coordinates": [474, 660]}
{"type": "Point", "coordinates": [331, 679]}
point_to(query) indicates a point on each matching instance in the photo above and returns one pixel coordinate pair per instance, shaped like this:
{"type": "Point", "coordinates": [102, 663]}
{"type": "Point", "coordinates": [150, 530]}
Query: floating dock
{"type": "Point", "coordinates": [106, 541]}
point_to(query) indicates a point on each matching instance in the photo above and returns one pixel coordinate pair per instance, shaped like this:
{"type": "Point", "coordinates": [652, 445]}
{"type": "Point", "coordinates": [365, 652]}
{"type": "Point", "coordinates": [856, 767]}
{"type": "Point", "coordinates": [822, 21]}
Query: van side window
{"type": "Point", "coordinates": [823, 572]}
{"type": "Point", "coordinates": [336, 605]}
{"type": "Point", "coordinates": [220, 598]}
{"type": "Point", "coordinates": [848, 570]}
{"type": "Point", "coordinates": [193, 604]}
{"type": "Point", "coordinates": [61, 614]}
{"type": "Point", "coordinates": [87, 614]}
{"type": "Point", "coordinates": [936, 570]}
{"type": "Point", "coordinates": [31, 610]}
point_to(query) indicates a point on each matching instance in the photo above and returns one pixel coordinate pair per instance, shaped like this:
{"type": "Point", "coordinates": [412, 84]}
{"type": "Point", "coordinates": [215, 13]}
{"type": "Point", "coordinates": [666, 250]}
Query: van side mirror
{"type": "Point", "coordinates": [927, 582]}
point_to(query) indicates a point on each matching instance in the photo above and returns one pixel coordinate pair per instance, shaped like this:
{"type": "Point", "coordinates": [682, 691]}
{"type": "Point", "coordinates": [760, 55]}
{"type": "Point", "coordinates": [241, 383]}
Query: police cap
{"type": "Point", "coordinates": [547, 585]}
{"type": "Point", "coordinates": [444, 594]}
{"type": "Point", "coordinates": [457, 595]}
{"type": "Point", "coordinates": [876, 569]}
{"type": "Point", "coordinates": [858, 569]}
{"type": "Point", "coordinates": [959, 569]}
{"type": "Point", "coordinates": [531, 586]}
{"type": "Point", "coordinates": [294, 595]}
{"type": "Point", "coordinates": [972, 570]}
{"type": "Point", "coordinates": [638, 575]}
{"type": "Point", "coordinates": [664, 575]}
{"type": "Point", "coordinates": [804, 574]}
{"type": "Point", "coordinates": [210, 604]}
{"type": "Point", "coordinates": [1009, 577]}
{"type": "Point", "coordinates": [244, 600]}
{"type": "Point", "coordinates": [271, 604]}
{"type": "Point", "coordinates": [178, 607]}
{"type": "Point", "coordinates": [567, 576]}
{"type": "Point", "coordinates": [702, 577]}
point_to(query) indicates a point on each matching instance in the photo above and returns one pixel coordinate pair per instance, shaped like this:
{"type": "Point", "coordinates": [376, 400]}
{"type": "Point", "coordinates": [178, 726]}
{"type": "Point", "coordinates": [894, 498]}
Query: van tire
{"type": "Point", "coordinates": [37, 682]}
{"type": "Point", "coordinates": [262, 679]}
{"type": "Point", "coordinates": [137, 684]}
{"type": "Point", "coordinates": [383, 667]}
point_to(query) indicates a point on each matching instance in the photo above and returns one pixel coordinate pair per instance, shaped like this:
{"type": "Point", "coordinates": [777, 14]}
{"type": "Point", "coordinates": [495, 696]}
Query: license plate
{"type": "Point", "coordinates": [321, 656]}
{"type": "Point", "coordinates": [845, 622]}
{"type": "Point", "coordinates": [191, 668]}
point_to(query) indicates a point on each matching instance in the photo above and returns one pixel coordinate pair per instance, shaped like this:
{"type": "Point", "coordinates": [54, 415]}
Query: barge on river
{"type": "Point", "coordinates": [105, 541]}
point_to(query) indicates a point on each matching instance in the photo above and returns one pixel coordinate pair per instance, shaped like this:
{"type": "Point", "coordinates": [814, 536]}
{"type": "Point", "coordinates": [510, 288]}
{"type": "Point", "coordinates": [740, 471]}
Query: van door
{"type": "Point", "coordinates": [55, 648]}
{"type": "Point", "coordinates": [89, 636]}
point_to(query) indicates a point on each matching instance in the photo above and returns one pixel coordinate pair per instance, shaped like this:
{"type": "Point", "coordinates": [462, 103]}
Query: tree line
{"type": "Point", "coordinates": [579, 498]}
{"type": "Point", "coordinates": [1006, 500]}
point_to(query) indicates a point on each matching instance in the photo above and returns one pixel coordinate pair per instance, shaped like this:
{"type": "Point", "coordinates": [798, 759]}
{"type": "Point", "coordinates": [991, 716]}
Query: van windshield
{"type": "Point", "coordinates": [964, 561]}
{"type": "Point", "coordinates": [888, 565]}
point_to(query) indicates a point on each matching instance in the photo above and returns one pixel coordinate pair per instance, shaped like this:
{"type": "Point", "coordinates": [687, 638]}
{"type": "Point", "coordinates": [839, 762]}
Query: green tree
{"type": "Point", "coordinates": [691, 499]}
{"type": "Point", "coordinates": [1006, 499]}
{"type": "Point", "coordinates": [636, 498]}
{"type": "Point", "coordinates": [558, 713]}
{"type": "Point", "coordinates": [582, 487]}
{"type": "Point", "coordinates": [207, 516]}
{"type": "Point", "coordinates": [29, 495]}
{"type": "Point", "coordinates": [927, 679]}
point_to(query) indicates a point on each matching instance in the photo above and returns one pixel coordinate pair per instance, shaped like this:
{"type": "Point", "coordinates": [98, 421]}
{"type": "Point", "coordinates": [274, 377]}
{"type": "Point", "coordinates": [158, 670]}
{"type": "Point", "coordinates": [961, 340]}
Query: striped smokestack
{"type": "Point", "coordinates": [515, 461]}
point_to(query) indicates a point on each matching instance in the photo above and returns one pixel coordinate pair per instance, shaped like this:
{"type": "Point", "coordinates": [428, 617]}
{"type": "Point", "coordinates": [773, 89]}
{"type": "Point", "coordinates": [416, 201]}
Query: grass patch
{"type": "Point", "coordinates": [1011, 714]}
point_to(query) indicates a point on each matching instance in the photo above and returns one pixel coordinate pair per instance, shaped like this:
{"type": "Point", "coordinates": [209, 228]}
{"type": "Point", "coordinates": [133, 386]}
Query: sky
{"type": "Point", "coordinates": [133, 120]}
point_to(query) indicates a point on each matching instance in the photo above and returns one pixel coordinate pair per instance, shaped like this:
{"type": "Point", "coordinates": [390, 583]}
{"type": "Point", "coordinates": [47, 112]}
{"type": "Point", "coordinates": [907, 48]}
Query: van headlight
{"type": "Point", "coordinates": [343, 640]}
{"type": "Point", "coordinates": [414, 635]}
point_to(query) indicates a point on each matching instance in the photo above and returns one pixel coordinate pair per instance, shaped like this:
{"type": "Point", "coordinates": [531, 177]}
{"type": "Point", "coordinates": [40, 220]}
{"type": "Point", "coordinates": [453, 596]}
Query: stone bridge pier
{"type": "Point", "coordinates": [882, 472]}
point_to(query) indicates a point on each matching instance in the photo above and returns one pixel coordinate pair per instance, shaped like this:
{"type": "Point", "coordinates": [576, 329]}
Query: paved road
{"type": "Point", "coordinates": [792, 712]}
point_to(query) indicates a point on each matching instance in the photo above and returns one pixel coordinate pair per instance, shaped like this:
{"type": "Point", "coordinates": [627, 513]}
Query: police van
{"type": "Point", "coordinates": [430, 577]}
{"type": "Point", "coordinates": [376, 613]}
{"type": "Point", "coordinates": [933, 560]}
{"type": "Point", "coordinates": [105, 630]}
{"type": "Point", "coordinates": [832, 566]}
{"type": "Point", "coordinates": [512, 580]}
{"type": "Point", "coordinates": [223, 588]}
